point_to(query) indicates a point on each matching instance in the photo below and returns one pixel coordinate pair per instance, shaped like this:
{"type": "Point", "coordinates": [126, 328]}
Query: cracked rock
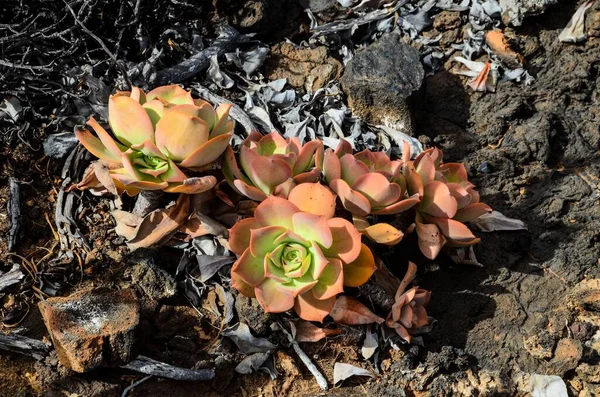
{"type": "Point", "coordinates": [380, 81]}
{"type": "Point", "coordinates": [92, 327]}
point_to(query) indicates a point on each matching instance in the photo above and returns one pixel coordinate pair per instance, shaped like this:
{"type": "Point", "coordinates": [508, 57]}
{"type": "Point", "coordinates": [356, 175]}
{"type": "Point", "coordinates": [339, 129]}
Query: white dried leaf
{"type": "Point", "coordinates": [399, 137]}
{"type": "Point", "coordinates": [370, 345]}
{"type": "Point", "coordinates": [574, 32]}
{"type": "Point", "coordinates": [342, 371]}
{"type": "Point", "coordinates": [247, 343]}
{"type": "Point", "coordinates": [11, 109]}
{"type": "Point", "coordinates": [217, 76]}
{"type": "Point", "coordinates": [547, 386]}
{"type": "Point", "coordinates": [496, 221]}
{"type": "Point", "coordinates": [248, 61]}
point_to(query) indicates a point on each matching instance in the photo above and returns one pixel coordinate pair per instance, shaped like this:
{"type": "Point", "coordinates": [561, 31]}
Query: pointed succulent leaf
{"type": "Point", "coordinates": [306, 157]}
{"type": "Point", "coordinates": [239, 234]}
{"type": "Point", "coordinates": [398, 207]}
{"type": "Point", "coordinates": [383, 233]}
{"type": "Point", "coordinates": [249, 191]}
{"type": "Point", "coordinates": [273, 299]}
{"type": "Point", "coordinates": [377, 189]}
{"type": "Point", "coordinates": [275, 211]}
{"type": "Point", "coordinates": [207, 153]}
{"type": "Point", "coordinates": [472, 212]}
{"type": "Point", "coordinates": [313, 198]}
{"type": "Point", "coordinates": [353, 201]}
{"type": "Point", "coordinates": [426, 169]}
{"type": "Point", "coordinates": [313, 228]}
{"type": "Point", "coordinates": [346, 240]}
{"type": "Point", "coordinates": [438, 201]}
{"type": "Point", "coordinates": [264, 172]}
{"type": "Point", "coordinates": [359, 271]}
{"type": "Point", "coordinates": [430, 239]}
{"type": "Point", "coordinates": [331, 281]}
{"type": "Point", "coordinates": [95, 146]}
{"type": "Point", "coordinates": [454, 229]}
{"type": "Point", "coordinates": [331, 166]}
{"type": "Point", "coordinates": [107, 140]}
{"type": "Point", "coordinates": [352, 169]}
{"type": "Point", "coordinates": [249, 268]}
{"type": "Point", "coordinates": [223, 124]}
{"type": "Point", "coordinates": [129, 121]}
{"type": "Point", "coordinates": [309, 308]}
{"type": "Point", "coordinates": [178, 134]}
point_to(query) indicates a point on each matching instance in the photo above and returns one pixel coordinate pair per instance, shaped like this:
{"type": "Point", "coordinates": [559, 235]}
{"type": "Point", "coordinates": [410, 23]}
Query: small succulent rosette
{"type": "Point", "coordinates": [272, 165]}
{"type": "Point", "coordinates": [447, 200]}
{"type": "Point", "coordinates": [295, 254]}
{"type": "Point", "coordinates": [367, 182]}
{"type": "Point", "coordinates": [157, 135]}
{"type": "Point", "coordinates": [408, 312]}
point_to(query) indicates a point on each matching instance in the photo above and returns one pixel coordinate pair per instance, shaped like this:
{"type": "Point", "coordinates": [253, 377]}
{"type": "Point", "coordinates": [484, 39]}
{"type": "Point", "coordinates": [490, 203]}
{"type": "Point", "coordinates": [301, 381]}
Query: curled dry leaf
{"type": "Point", "coordinates": [342, 371]}
{"type": "Point", "coordinates": [154, 229]}
{"type": "Point", "coordinates": [308, 332]}
{"type": "Point", "coordinates": [350, 311]}
{"type": "Point", "coordinates": [247, 343]}
{"type": "Point", "coordinates": [370, 344]}
{"type": "Point", "coordinates": [574, 32]}
{"type": "Point", "coordinates": [496, 221]}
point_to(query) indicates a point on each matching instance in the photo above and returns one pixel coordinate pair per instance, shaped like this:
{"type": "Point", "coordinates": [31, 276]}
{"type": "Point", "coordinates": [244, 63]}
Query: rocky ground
{"type": "Point", "coordinates": [529, 308]}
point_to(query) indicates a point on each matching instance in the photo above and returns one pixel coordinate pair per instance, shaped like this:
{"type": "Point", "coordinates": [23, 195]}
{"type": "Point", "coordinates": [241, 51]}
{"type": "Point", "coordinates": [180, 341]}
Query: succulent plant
{"type": "Point", "coordinates": [367, 182]}
{"type": "Point", "coordinates": [157, 134]}
{"type": "Point", "coordinates": [272, 165]}
{"type": "Point", "coordinates": [408, 311]}
{"type": "Point", "coordinates": [295, 254]}
{"type": "Point", "coordinates": [447, 200]}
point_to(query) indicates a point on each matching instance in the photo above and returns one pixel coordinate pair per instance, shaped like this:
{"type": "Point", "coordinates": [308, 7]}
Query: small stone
{"type": "Point", "coordinates": [380, 80]}
{"type": "Point", "coordinates": [485, 168]}
{"type": "Point", "coordinates": [539, 345]}
{"type": "Point", "coordinates": [582, 330]}
{"type": "Point", "coordinates": [149, 277]}
{"type": "Point", "coordinates": [310, 68]}
{"type": "Point", "coordinates": [447, 20]}
{"type": "Point", "coordinates": [286, 364]}
{"type": "Point", "coordinates": [589, 373]}
{"type": "Point", "coordinates": [92, 326]}
{"type": "Point", "coordinates": [566, 356]}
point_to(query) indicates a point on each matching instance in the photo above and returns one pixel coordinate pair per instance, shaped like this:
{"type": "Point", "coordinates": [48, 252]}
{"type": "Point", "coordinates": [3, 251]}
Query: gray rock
{"type": "Point", "coordinates": [145, 274]}
{"type": "Point", "coordinates": [92, 326]}
{"type": "Point", "coordinates": [380, 81]}
{"type": "Point", "coordinates": [513, 11]}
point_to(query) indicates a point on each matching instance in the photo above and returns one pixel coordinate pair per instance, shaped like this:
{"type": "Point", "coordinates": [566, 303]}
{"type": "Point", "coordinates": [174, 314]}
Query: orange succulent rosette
{"type": "Point", "coordinates": [295, 254]}
{"type": "Point", "coordinates": [157, 134]}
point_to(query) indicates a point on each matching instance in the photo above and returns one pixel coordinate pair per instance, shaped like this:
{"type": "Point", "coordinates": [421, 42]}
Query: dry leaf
{"type": "Point", "coordinates": [575, 30]}
{"type": "Point", "coordinates": [496, 221]}
{"type": "Point", "coordinates": [342, 371]}
{"type": "Point", "coordinates": [370, 344]}
{"type": "Point", "coordinates": [156, 228]}
{"type": "Point", "coordinates": [350, 311]}
{"type": "Point", "coordinates": [308, 332]}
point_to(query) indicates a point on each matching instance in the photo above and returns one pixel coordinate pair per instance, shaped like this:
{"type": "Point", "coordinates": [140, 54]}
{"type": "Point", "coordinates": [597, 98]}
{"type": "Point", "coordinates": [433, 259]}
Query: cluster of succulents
{"type": "Point", "coordinates": [304, 243]}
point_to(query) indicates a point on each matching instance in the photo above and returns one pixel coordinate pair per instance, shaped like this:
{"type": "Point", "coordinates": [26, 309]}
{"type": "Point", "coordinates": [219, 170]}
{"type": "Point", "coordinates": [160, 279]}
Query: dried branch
{"type": "Point", "coordinates": [227, 41]}
{"type": "Point", "coordinates": [14, 212]}
{"type": "Point", "coordinates": [24, 345]}
{"type": "Point", "coordinates": [148, 366]}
